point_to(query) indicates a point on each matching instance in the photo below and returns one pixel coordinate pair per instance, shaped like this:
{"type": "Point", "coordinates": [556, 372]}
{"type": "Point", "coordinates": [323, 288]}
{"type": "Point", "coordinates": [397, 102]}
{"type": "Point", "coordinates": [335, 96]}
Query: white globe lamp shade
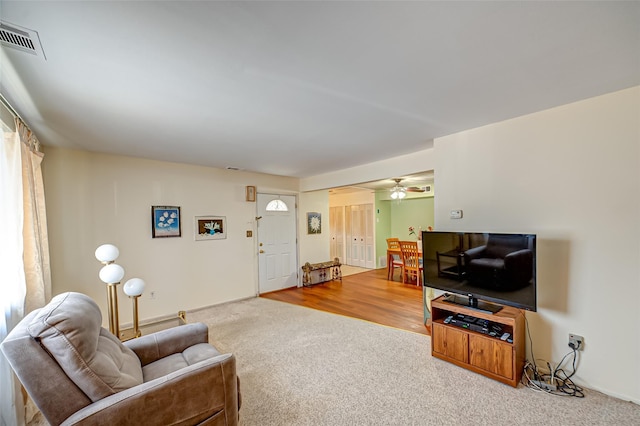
{"type": "Point", "coordinates": [398, 194]}
{"type": "Point", "coordinates": [107, 253]}
{"type": "Point", "coordinates": [134, 287]}
{"type": "Point", "coordinates": [111, 273]}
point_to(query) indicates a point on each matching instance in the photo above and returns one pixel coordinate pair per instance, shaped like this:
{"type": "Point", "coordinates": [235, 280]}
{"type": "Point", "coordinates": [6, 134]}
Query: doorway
{"type": "Point", "coordinates": [277, 247]}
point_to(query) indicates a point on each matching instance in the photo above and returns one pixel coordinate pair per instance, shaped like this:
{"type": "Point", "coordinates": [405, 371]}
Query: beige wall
{"type": "Point", "coordinates": [314, 247]}
{"type": "Point", "coordinates": [572, 175]}
{"type": "Point", "coordinates": [94, 199]}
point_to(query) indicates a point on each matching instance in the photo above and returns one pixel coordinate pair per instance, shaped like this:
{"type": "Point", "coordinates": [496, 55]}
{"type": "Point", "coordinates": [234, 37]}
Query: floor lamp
{"type": "Point", "coordinates": [111, 274]}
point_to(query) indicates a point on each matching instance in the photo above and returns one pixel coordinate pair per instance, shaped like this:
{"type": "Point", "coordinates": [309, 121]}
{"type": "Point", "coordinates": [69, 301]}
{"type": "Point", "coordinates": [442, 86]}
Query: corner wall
{"type": "Point", "coordinates": [314, 247]}
{"type": "Point", "coordinates": [571, 175]}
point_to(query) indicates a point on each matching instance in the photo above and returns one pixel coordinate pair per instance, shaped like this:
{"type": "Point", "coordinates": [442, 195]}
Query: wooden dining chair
{"type": "Point", "coordinates": [411, 261]}
{"type": "Point", "coordinates": [393, 260]}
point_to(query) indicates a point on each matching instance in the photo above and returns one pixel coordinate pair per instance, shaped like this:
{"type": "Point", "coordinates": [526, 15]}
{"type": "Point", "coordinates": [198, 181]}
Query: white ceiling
{"type": "Point", "coordinates": [304, 88]}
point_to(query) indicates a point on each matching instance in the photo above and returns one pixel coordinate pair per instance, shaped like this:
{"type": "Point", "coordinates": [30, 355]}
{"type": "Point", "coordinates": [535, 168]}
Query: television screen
{"type": "Point", "coordinates": [495, 267]}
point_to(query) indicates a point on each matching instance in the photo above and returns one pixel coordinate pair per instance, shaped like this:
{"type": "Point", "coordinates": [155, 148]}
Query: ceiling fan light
{"type": "Point", "coordinates": [398, 192]}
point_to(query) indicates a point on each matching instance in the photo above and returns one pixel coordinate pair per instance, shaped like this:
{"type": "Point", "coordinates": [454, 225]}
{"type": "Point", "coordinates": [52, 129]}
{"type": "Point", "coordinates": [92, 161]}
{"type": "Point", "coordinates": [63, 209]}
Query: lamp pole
{"type": "Point", "coordinates": [134, 288]}
{"type": "Point", "coordinates": [111, 274]}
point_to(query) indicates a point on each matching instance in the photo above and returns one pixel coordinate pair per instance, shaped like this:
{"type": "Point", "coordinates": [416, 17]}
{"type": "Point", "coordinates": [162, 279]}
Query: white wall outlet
{"type": "Point", "coordinates": [456, 214]}
{"type": "Point", "coordinates": [576, 342]}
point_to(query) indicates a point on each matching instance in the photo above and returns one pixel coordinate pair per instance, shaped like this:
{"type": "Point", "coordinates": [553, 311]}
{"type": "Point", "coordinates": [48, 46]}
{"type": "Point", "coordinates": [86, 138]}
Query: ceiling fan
{"type": "Point", "coordinates": [398, 192]}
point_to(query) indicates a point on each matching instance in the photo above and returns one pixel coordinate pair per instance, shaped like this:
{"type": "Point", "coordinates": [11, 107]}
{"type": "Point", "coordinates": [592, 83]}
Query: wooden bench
{"type": "Point", "coordinates": [328, 271]}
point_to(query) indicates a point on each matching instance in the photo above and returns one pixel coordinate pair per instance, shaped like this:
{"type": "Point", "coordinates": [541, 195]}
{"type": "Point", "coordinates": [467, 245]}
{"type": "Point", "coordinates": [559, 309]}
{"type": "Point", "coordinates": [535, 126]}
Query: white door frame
{"type": "Point", "coordinates": [271, 243]}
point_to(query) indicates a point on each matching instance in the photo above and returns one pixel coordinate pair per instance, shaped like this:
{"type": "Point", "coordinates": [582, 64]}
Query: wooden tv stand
{"type": "Point", "coordinates": [476, 351]}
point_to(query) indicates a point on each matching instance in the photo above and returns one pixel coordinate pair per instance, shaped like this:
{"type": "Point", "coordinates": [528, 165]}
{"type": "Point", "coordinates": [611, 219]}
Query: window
{"type": "Point", "coordinates": [277, 206]}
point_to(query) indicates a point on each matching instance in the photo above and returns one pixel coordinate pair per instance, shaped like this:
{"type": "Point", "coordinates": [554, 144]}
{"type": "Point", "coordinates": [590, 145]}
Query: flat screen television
{"type": "Point", "coordinates": [476, 268]}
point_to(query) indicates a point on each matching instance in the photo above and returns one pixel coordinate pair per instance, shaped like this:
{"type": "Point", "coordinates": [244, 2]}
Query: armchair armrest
{"type": "Point", "coordinates": [519, 264]}
{"type": "Point", "coordinates": [174, 340]}
{"type": "Point", "coordinates": [203, 391]}
{"type": "Point", "coordinates": [474, 253]}
{"type": "Point", "coordinates": [519, 259]}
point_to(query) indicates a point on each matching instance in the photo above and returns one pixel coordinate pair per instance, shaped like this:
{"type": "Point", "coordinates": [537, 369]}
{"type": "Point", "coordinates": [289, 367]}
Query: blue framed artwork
{"type": "Point", "coordinates": [165, 221]}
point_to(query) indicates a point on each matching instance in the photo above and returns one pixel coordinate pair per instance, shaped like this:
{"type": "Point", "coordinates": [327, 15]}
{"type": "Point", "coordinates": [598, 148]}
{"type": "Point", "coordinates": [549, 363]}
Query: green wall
{"type": "Point", "coordinates": [393, 219]}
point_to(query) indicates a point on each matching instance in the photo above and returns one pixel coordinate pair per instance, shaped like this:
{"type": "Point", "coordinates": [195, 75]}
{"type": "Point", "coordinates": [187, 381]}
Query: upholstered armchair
{"type": "Point", "coordinates": [504, 263]}
{"type": "Point", "coordinates": [77, 372]}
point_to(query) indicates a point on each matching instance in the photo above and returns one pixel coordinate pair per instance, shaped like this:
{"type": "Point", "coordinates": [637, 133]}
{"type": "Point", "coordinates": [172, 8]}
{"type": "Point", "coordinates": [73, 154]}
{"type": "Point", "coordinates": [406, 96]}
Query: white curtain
{"type": "Point", "coordinates": [24, 251]}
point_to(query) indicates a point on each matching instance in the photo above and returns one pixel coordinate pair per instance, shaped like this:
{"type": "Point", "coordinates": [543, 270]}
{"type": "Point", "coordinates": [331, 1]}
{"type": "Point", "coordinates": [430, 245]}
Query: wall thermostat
{"type": "Point", "coordinates": [456, 214]}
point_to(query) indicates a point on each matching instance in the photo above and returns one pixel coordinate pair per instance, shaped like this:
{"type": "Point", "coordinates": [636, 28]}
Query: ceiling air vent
{"type": "Point", "coordinates": [23, 39]}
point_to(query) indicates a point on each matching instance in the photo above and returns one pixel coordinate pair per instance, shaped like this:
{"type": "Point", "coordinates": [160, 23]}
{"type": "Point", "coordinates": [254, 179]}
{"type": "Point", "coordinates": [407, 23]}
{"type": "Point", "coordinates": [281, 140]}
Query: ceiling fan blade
{"type": "Point", "coordinates": [415, 189]}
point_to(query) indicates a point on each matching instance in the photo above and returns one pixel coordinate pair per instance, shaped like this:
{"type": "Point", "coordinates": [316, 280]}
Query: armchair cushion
{"type": "Point", "coordinates": [175, 362]}
{"type": "Point", "coordinates": [69, 329]}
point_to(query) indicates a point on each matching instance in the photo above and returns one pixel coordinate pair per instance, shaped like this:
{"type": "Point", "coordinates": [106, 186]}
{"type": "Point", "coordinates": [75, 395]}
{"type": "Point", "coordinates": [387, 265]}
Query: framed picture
{"type": "Point", "coordinates": [251, 193]}
{"type": "Point", "coordinates": [314, 223]}
{"type": "Point", "coordinates": [165, 221]}
{"type": "Point", "coordinates": [210, 228]}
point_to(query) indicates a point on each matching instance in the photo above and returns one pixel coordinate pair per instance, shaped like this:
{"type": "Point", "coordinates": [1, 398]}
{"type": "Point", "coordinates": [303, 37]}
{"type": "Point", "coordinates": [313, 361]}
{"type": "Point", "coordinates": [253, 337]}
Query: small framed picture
{"type": "Point", "coordinates": [314, 223]}
{"type": "Point", "coordinates": [251, 193]}
{"type": "Point", "coordinates": [165, 221]}
{"type": "Point", "coordinates": [210, 228]}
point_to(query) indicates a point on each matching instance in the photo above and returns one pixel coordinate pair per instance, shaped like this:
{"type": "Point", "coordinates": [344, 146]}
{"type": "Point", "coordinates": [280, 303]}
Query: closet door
{"type": "Point", "coordinates": [336, 230]}
{"type": "Point", "coordinates": [348, 237]}
{"type": "Point", "coordinates": [359, 246]}
{"type": "Point", "coordinates": [359, 231]}
{"type": "Point", "coordinates": [369, 238]}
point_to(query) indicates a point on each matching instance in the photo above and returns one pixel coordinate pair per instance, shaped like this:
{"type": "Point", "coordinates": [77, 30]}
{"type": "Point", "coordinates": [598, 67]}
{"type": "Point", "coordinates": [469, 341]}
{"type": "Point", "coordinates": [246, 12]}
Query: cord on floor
{"type": "Point", "coordinates": [554, 382]}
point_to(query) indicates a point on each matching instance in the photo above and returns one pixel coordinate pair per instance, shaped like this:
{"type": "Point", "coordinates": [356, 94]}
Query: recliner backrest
{"type": "Point", "coordinates": [70, 329]}
{"type": "Point", "coordinates": [498, 246]}
{"type": "Point", "coordinates": [48, 385]}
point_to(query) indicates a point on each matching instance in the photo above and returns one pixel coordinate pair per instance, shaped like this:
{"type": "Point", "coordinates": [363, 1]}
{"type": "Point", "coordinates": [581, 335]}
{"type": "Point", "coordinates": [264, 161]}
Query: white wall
{"type": "Point", "coordinates": [416, 162]}
{"type": "Point", "coordinates": [572, 175]}
{"type": "Point", "coordinates": [94, 199]}
{"type": "Point", "coordinates": [314, 248]}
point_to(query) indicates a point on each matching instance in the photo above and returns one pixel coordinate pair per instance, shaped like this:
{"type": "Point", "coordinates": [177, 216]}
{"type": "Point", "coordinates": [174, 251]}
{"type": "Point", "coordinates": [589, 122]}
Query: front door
{"type": "Point", "coordinates": [277, 260]}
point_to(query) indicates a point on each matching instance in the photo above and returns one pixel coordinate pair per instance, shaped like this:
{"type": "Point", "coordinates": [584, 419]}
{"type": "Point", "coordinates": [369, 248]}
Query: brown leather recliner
{"type": "Point", "coordinates": [77, 372]}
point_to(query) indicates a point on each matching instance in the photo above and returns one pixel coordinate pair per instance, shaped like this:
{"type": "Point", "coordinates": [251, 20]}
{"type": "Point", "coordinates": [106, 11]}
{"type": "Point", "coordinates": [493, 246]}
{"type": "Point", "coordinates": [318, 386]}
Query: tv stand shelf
{"type": "Point", "coordinates": [476, 351]}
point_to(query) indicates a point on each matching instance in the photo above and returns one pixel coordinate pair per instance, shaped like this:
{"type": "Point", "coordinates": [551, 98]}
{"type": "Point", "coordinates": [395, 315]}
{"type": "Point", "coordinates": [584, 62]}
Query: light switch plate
{"type": "Point", "coordinates": [456, 214]}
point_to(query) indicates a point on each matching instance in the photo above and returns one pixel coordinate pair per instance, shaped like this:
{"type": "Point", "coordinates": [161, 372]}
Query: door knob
{"type": "Point", "coordinates": [261, 251]}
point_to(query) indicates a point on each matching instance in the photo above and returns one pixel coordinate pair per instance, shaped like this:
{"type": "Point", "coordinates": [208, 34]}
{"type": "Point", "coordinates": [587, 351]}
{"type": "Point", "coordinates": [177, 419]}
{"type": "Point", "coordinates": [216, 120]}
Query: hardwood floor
{"type": "Point", "coordinates": [368, 296]}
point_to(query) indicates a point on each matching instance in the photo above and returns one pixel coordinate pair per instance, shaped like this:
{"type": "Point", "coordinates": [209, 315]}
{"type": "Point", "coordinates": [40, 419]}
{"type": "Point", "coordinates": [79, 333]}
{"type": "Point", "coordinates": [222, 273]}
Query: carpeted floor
{"type": "Point", "coordinates": [301, 366]}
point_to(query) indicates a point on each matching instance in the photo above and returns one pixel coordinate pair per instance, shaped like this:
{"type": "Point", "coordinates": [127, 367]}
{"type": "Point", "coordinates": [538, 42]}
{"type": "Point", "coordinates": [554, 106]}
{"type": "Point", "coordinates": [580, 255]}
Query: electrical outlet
{"type": "Point", "coordinates": [575, 341]}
